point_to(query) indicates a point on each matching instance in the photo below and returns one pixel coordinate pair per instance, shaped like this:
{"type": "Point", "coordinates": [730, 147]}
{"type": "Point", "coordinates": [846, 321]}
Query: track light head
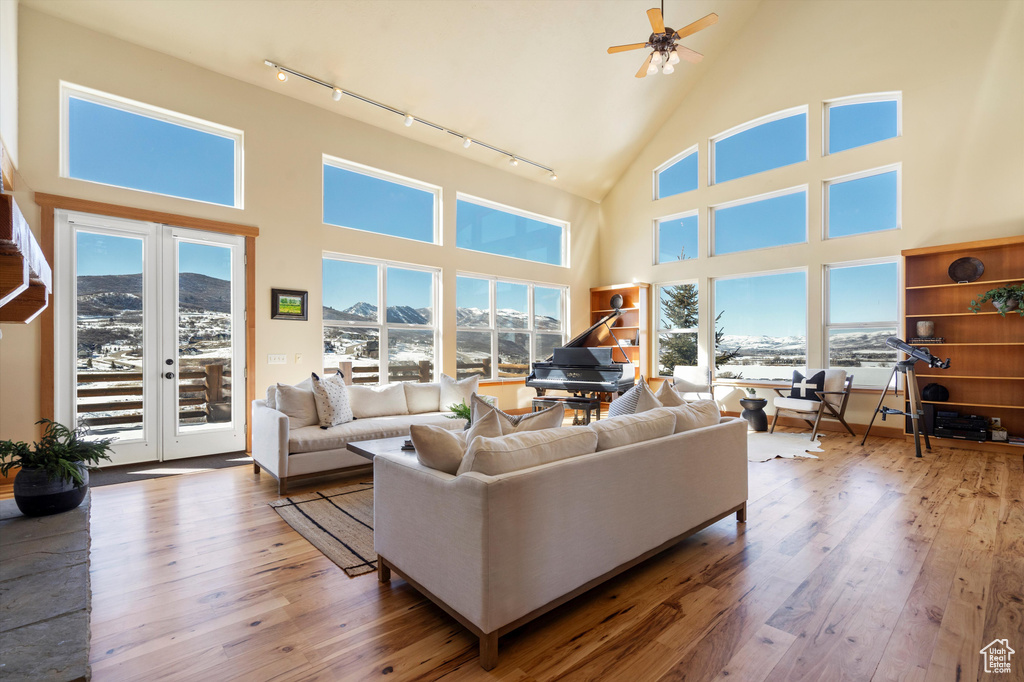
{"type": "Point", "coordinates": [466, 143]}
{"type": "Point", "coordinates": [281, 76]}
{"type": "Point", "coordinates": [513, 161]}
{"type": "Point", "coordinates": [336, 94]}
{"type": "Point", "coordinates": [552, 177]}
{"type": "Point", "coordinates": [408, 120]}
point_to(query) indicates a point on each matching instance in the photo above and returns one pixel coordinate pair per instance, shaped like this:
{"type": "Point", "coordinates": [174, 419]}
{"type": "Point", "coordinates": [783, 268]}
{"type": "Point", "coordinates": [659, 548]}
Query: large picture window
{"type": "Point", "coordinates": [381, 317]}
{"type": "Point", "coordinates": [769, 142]}
{"type": "Point", "coordinates": [862, 119]}
{"type": "Point", "coordinates": [861, 313]}
{"type": "Point", "coordinates": [863, 202]}
{"type": "Point", "coordinates": [762, 323]}
{"type": "Point", "coordinates": [485, 226]}
{"type": "Point", "coordinates": [776, 219]}
{"type": "Point", "coordinates": [115, 141]}
{"type": "Point", "coordinates": [677, 175]}
{"type": "Point", "coordinates": [678, 313]}
{"type": "Point", "coordinates": [503, 326]}
{"type": "Point", "coordinates": [372, 200]}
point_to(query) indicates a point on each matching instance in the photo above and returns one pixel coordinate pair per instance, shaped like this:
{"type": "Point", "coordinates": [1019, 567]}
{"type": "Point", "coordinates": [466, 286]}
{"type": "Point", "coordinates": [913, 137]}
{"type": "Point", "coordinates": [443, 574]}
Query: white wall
{"type": "Point", "coordinates": [9, 77]}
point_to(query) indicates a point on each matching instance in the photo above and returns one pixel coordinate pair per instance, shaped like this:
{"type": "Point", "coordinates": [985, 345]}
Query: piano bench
{"type": "Point", "coordinates": [585, 405]}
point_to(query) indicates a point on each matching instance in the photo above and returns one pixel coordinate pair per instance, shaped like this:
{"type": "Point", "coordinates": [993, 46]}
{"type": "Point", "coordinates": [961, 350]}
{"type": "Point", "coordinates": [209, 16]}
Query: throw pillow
{"type": "Point", "coordinates": [454, 392]}
{"type": "Point", "coordinates": [331, 396]}
{"type": "Point", "coordinates": [804, 388]}
{"type": "Point", "coordinates": [272, 392]}
{"type": "Point", "coordinates": [634, 428]}
{"type": "Point", "coordinates": [377, 401]}
{"type": "Point", "coordinates": [668, 396]}
{"type": "Point", "coordinates": [496, 456]}
{"type": "Point", "coordinates": [696, 415]}
{"type": "Point", "coordinates": [422, 397]}
{"type": "Point", "coordinates": [298, 404]}
{"type": "Point", "coordinates": [443, 449]}
{"type": "Point", "coordinates": [640, 398]}
{"type": "Point", "coordinates": [547, 418]}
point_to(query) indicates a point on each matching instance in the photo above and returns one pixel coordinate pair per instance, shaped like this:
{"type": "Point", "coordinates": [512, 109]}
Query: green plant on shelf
{"type": "Point", "coordinates": [1005, 299]}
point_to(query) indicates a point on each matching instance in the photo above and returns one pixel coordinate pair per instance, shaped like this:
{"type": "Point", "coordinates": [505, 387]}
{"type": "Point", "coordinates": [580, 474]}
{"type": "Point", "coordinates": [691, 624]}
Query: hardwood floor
{"type": "Point", "coordinates": [864, 564]}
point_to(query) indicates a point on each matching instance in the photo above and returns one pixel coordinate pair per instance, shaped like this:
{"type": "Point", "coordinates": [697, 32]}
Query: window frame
{"type": "Point", "coordinates": [656, 225]}
{"type": "Point", "coordinates": [382, 324]}
{"type": "Point", "coordinates": [565, 225]}
{"type": "Point", "coordinates": [881, 170]}
{"type": "Point", "coordinates": [656, 183]}
{"type": "Point", "coordinates": [826, 304]}
{"type": "Point", "coordinates": [743, 127]}
{"type": "Point", "coordinates": [70, 90]}
{"type": "Point", "coordinates": [658, 330]}
{"type": "Point", "coordinates": [867, 98]}
{"type": "Point", "coordinates": [714, 208]}
{"type": "Point", "coordinates": [494, 330]}
{"type": "Point", "coordinates": [386, 176]}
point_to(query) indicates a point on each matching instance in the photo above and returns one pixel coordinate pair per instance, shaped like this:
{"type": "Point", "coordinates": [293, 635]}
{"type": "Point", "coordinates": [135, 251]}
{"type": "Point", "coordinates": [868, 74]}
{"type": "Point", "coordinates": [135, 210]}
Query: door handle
{"type": "Point", "coordinates": [169, 375]}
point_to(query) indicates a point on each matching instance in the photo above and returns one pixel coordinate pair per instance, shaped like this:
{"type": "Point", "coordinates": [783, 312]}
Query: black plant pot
{"type": "Point", "coordinates": [38, 495]}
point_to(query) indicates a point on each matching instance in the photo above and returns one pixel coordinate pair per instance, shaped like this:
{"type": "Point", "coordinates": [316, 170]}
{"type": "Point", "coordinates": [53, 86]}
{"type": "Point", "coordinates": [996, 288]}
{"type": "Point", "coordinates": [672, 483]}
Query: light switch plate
{"type": "Point", "coordinates": [277, 359]}
{"type": "Point", "coordinates": [298, 358]}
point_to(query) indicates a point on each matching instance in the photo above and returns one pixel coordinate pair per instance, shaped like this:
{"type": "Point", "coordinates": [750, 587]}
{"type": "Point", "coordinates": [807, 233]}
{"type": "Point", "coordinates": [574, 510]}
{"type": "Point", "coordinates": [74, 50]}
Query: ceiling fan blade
{"type": "Point", "coordinates": [698, 25]}
{"type": "Point", "coordinates": [625, 48]}
{"type": "Point", "coordinates": [688, 54]}
{"type": "Point", "coordinates": [657, 21]}
{"type": "Point", "coordinates": [643, 69]}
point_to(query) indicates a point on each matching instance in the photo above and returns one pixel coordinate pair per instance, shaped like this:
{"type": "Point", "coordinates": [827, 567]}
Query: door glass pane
{"type": "Point", "coordinates": [204, 334]}
{"type": "Point", "coordinates": [358, 345]}
{"type": "Point", "coordinates": [410, 355]}
{"type": "Point", "coordinates": [473, 354]}
{"type": "Point", "coordinates": [410, 296]}
{"type": "Point", "coordinates": [513, 354]}
{"type": "Point", "coordinates": [547, 308]}
{"type": "Point", "coordinates": [472, 302]}
{"type": "Point", "coordinates": [512, 310]}
{"type": "Point", "coordinates": [109, 335]}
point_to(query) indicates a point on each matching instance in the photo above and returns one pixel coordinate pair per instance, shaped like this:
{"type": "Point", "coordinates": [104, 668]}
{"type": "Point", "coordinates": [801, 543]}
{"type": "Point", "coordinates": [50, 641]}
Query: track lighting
{"type": "Point", "coordinates": [466, 142]}
{"type": "Point", "coordinates": [336, 95]}
{"type": "Point", "coordinates": [667, 69]}
{"type": "Point", "coordinates": [408, 120]}
{"type": "Point", "coordinates": [513, 161]}
{"type": "Point", "coordinates": [552, 176]}
{"type": "Point", "coordinates": [281, 76]}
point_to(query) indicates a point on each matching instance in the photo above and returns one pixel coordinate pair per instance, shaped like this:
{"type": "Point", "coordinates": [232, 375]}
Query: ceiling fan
{"type": "Point", "coordinates": [665, 52]}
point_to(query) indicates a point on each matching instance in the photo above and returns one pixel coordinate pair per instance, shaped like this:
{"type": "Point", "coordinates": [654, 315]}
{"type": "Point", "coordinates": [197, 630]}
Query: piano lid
{"type": "Point", "coordinates": [596, 335]}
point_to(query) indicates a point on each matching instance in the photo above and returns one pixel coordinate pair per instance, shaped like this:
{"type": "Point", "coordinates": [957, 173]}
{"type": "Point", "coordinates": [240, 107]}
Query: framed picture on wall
{"type": "Point", "coordinates": [288, 304]}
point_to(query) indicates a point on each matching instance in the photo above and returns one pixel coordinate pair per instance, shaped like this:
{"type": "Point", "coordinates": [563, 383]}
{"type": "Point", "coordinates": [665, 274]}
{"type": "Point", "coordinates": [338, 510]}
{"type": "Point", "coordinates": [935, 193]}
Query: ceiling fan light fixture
{"type": "Point", "coordinates": [667, 69]}
{"type": "Point", "coordinates": [336, 94]}
{"type": "Point", "coordinates": [656, 58]}
{"type": "Point", "coordinates": [673, 58]}
{"type": "Point", "coordinates": [652, 69]}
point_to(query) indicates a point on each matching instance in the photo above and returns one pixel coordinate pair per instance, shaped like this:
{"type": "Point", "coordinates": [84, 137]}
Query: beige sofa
{"type": "Point", "coordinates": [498, 551]}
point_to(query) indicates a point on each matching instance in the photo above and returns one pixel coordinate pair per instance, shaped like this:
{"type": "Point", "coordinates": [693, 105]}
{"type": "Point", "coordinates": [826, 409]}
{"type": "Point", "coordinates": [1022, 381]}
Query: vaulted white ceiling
{"type": "Point", "coordinates": [529, 76]}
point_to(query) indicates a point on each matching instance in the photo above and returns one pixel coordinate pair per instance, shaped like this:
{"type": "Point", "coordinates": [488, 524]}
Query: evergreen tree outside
{"type": "Point", "coordinates": [679, 310]}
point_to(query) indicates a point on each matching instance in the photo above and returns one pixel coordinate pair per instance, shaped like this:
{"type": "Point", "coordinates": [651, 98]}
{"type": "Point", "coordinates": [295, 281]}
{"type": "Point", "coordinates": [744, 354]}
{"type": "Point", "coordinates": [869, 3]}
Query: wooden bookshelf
{"type": "Point", "coordinates": [986, 350]}
{"type": "Point", "coordinates": [631, 328]}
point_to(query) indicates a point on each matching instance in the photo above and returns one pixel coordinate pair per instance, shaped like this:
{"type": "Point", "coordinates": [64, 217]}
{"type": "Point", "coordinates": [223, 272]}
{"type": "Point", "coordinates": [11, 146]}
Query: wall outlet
{"type": "Point", "coordinates": [298, 358]}
{"type": "Point", "coordinates": [277, 359]}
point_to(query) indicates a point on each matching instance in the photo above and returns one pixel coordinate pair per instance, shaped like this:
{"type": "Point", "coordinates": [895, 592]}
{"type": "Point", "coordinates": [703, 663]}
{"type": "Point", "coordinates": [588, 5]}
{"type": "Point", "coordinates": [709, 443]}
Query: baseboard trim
{"type": "Point", "coordinates": [859, 429]}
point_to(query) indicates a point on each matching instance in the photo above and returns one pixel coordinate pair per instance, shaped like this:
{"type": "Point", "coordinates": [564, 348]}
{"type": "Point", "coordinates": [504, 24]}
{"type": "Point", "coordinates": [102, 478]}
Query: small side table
{"type": "Point", "coordinates": [586, 405]}
{"type": "Point", "coordinates": [753, 412]}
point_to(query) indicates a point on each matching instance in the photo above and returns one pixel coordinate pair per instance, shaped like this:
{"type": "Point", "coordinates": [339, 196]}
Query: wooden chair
{"type": "Point", "coordinates": [692, 380]}
{"type": "Point", "coordinates": [831, 402]}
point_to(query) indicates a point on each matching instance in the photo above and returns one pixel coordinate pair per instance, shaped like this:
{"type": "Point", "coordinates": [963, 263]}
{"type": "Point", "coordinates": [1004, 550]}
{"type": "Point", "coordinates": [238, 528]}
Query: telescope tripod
{"type": "Point", "coordinates": [905, 367]}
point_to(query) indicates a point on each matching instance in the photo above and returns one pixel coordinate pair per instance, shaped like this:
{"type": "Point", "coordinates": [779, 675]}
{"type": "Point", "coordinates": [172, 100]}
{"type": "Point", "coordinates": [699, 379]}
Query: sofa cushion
{"type": "Point", "coordinates": [696, 415]}
{"type": "Point", "coordinates": [314, 439]}
{"type": "Point", "coordinates": [454, 392]}
{"type": "Point", "coordinates": [627, 429]}
{"type": "Point", "coordinates": [668, 396]}
{"type": "Point", "coordinates": [377, 401]}
{"type": "Point", "coordinates": [306, 383]}
{"type": "Point", "coordinates": [443, 449]}
{"type": "Point", "coordinates": [640, 398]}
{"type": "Point", "coordinates": [797, 404]}
{"type": "Point", "coordinates": [547, 418]}
{"type": "Point", "coordinates": [298, 403]}
{"type": "Point", "coordinates": [331, 397]}
{"type": "Point", "coordinates": [502, 455]}
{"type": "Point", "coordinates": [421, 398]}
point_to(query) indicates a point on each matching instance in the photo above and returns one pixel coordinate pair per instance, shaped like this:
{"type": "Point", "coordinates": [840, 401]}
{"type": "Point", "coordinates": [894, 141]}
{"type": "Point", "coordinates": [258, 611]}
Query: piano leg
{"type": "Point", "coordinates": [540, 391]}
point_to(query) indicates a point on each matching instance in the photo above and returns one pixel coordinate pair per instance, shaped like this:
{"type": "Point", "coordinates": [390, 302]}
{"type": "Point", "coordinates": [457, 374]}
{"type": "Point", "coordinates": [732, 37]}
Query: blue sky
{"type": "Point", "coordinates": [100, 254]}
{"type": "Point", "coordinates": [760, 224]}
{"type": "Point", "coordinates": [367, 203]}
{"type": "Point", "coordinates": [677, 237]}
{"type": "Point", "coordinates": [770, 305]}
{"type": "Point", "coordinates": [482, 228]}
{"type": "Point", "coordinates": [863, 205]}
{"type": "Point", "coordinates": [854, 125]}
{"type": "Point", "coordinates": [347, 283]}
{"type": "Point", "coordinates": [864, 293]}
{"type": "Point", "coordinates": [129, 150]}
{"type": "Point", "coordinates": [769, 145]}
{"type": "Point", "coordinates": [679, 177]}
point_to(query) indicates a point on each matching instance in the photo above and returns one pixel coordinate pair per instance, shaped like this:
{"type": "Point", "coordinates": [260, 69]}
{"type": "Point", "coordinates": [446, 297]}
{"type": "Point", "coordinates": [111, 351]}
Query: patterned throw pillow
{"type": "Point", "coordinates": [804, 387]}
{"type": "Point", "coordinates": [516, 423]}
{"type": "Point", "coordinates": [331, 400]}
{"type": "Point", "coordinates": [638, 399]}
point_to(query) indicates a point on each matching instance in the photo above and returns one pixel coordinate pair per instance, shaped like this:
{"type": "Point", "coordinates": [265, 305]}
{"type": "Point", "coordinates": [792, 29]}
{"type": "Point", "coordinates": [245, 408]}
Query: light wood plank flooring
{"type": "Point", "coordinates": [864, 564]}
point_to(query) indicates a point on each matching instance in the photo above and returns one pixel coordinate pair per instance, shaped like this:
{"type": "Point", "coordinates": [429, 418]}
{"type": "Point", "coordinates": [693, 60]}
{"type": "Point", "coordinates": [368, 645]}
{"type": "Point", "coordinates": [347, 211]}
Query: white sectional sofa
{"type": "Point", "coordinates": [496, 551]}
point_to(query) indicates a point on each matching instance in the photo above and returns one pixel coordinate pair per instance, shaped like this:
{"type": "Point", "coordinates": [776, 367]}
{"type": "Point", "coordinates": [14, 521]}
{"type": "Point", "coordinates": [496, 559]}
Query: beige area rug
{"type": "Point", "coordinates": [763, 446]}
{"type": "Point", "coordinates": [338, 522]}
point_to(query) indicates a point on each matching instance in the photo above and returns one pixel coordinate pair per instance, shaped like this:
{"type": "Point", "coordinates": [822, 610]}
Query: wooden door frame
{"type": "Point", "coordinates": [48, 203]}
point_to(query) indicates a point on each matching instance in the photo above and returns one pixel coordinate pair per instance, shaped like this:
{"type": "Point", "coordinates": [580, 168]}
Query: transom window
{"type": "Point", "coordinates": [364, 198]}
{"type": "Point", "coordinates": [503, 326]}
{"type": "Point", "coordinates": [677, 175]}
{"type": "Point", "coordinates": [676, 237]}
{"type": "Point", "coordinates": [679, 311]}
{"type": "Point", "coordinates": [861, 313]}
{"type": "Point", "coordinates": [119, 142]}
{"type": "Point", "coordinates": [863, 202]}
{"type": "Point", "coordinates": [482, 225]}
{"type": "Point", "coordinates": [381, 317]}
{"type": "Point", "coordinates": [862, 119]}
{"type": "Point", "coordinates": [769, 142]}
{"type": "Point", "coordinates": [775, 219]}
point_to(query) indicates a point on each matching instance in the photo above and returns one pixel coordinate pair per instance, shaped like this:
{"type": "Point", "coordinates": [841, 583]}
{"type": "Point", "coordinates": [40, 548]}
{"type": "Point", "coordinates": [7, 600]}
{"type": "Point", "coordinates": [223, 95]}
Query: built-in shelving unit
{"type": "Point", "coordinates": [631, 328]}
{"type": "Point", "coordinates": [986, 350]}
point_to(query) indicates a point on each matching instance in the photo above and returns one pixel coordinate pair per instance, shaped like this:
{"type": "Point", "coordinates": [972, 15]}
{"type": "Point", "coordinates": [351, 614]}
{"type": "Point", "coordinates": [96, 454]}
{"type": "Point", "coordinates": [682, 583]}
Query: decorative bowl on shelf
{"type": "Point", "coordinates": [966, 269]}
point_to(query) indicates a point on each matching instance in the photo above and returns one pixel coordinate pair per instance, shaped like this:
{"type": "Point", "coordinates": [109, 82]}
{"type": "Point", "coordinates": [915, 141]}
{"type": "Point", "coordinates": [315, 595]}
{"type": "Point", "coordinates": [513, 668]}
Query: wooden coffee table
{"type": "Point", "coordinates": [371, 448]}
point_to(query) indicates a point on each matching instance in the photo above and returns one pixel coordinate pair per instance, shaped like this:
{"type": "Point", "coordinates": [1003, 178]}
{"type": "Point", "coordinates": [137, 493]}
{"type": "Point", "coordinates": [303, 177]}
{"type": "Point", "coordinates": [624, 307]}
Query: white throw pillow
{"type": "Point", "coordinates": [454, 392]}
{"type": "Point", "coordinates": [331, 396]}
{"type": "Point", "coordinates": [443, 449]}
{"type": "Point", "coordinates": [634, 428]}
{"type": "Point", "coordinates": [496, 456]}
{"type": "Point", "coordinates": [696, 415]}
{"type": "Point", "coordinates": [638, 399]}
{"type": "Point", "coordinates": [298, 403]}
{"type": "Point", "coordinates": [377, 401]}
{"type": "Point", "coordinates": [548, 418]}
{"type": "Point", "coordinates": [422, 398]}
{"type": "Point", "coordinates": [668, 396]}
{"type": "Point", "coordinates": [272, 392]}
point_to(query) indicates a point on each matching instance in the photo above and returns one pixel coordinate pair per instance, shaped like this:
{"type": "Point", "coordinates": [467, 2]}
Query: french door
{"type": "Point", "coordinates": [149, 335]}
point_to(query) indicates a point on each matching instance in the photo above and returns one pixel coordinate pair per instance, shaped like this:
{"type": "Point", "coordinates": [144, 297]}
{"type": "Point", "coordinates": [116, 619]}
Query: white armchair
{"type": "Point", "coordinates": [831, 402]}
{"type": "Point", "coordinates": [693, 380]}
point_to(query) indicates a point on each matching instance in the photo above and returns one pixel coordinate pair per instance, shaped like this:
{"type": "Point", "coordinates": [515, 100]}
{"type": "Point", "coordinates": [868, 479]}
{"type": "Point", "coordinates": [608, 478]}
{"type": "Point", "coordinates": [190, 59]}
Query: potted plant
{"type": "Point", "coordinates": [460, 411]}
{"type": "Point", "coordinates": [1005, 299]}
{"type": "Point", "coordinates": [54, 475]}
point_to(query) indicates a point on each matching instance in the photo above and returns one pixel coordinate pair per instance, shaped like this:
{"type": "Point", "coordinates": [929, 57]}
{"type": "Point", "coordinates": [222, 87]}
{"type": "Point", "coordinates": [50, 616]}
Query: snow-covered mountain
{"type": "Point", "coordinates": [508, 318]}
{"type": "Point", "coordinates": [854, 340]}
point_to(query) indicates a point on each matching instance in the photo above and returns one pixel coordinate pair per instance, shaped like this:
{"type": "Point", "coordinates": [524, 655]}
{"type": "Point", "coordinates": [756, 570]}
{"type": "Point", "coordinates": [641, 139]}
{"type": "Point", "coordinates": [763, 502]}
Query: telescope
{"type": "Point", "coordinates": [921, 354]}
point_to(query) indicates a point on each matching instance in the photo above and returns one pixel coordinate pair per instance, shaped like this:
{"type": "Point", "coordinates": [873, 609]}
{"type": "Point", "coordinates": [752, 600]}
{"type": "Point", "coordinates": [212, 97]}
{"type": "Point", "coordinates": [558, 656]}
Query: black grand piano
{"type": "Point", "coordinates": [580, 368]}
